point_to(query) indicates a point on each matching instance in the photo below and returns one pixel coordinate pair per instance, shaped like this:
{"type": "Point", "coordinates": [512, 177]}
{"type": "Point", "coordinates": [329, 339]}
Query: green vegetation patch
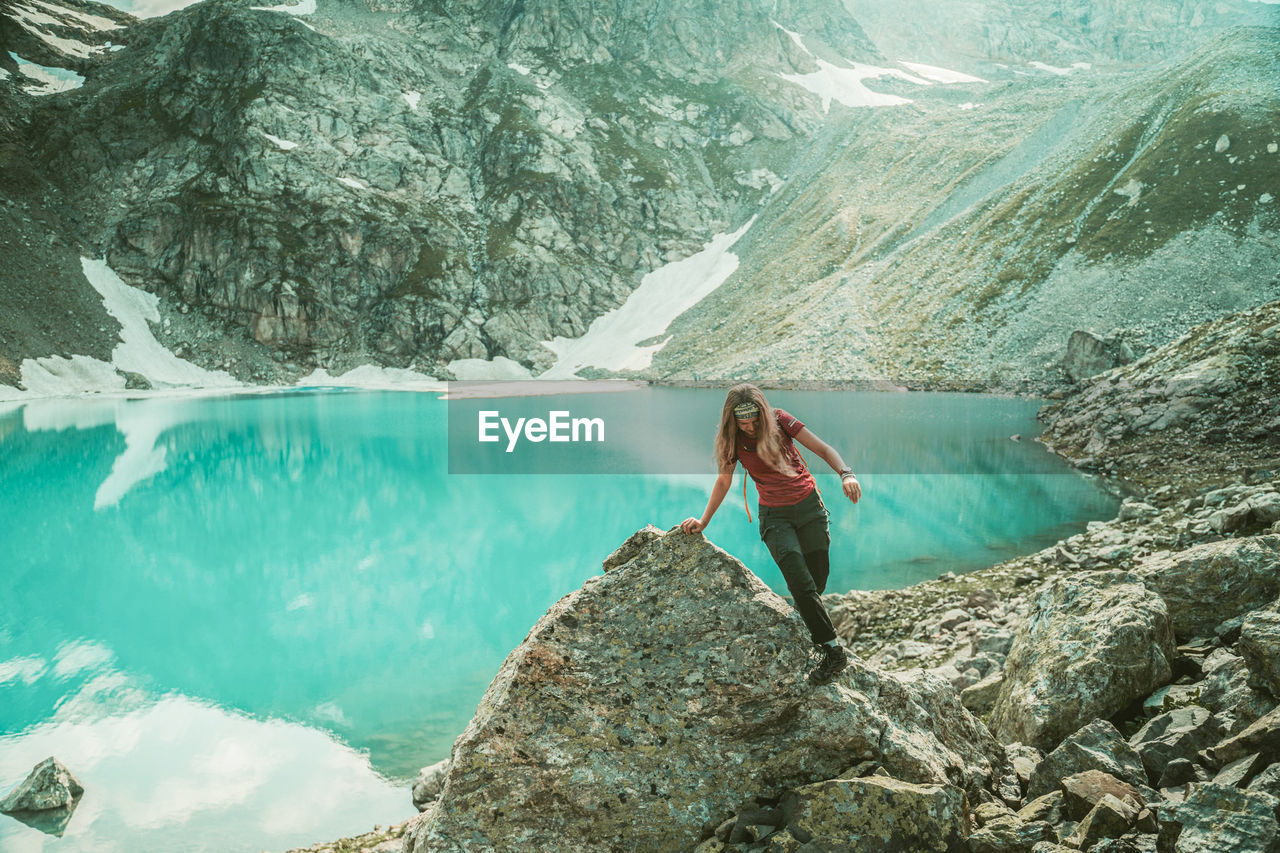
{"type": "Point", "coordinates": [1134, 193]}
{"type": "Point", "coordinates": [422, 278]}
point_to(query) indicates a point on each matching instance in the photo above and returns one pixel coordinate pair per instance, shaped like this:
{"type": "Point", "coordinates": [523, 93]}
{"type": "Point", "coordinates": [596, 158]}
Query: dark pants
{"type": "Point", "coordinates": [798, 539]}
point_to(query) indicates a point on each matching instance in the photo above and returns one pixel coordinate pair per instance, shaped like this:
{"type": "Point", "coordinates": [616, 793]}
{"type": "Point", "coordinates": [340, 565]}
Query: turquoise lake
{"type": "Point", "coordinates": [246, 622]}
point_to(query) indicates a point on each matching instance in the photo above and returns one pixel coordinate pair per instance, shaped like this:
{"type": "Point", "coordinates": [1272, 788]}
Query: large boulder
{"type": "Point", "coordinates": [665, 695]}
{"type": "Point", "coordinates": [1088, 355]}
{"type": "Point", "coordinates": [1209, 583]}
{"type": "Point", "coordinates": [1092, 644]}
{"type": "Point", "coordinates": [1221, 817]}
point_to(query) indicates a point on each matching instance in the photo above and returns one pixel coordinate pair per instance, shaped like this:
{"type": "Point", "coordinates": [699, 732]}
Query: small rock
{"type": "Point", "coordinates": [1052, 807]}
{"type": "Point", "coordinates": [1085, 790]}
{"type": "Point", "coordinates": [1240, 771]}
{"type": "Point", "coordinates": [426, 788]}
{"type": "Point", "coordinates": [1180, 733]}
{"type": "Point", "coordinates": [1110, 818]}
{"type": "Point", "coordinates": [1097, 746]}
{"type": "Point", "coordinates": [50, 785]}
{"type": "Point", "coordinates": [979, 698]}
{"type": "Point", "coordinates": [1180, 771]}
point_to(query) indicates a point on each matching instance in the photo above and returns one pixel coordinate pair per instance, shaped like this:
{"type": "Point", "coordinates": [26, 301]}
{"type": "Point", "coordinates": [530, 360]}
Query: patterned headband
{"type": "Point", "coordinates": [746, 411]}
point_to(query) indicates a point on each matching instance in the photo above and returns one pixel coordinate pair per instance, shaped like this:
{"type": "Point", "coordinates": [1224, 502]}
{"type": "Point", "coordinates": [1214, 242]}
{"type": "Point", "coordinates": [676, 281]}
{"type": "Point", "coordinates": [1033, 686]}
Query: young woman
{"type": "Point", "coordinates": [793, 519]}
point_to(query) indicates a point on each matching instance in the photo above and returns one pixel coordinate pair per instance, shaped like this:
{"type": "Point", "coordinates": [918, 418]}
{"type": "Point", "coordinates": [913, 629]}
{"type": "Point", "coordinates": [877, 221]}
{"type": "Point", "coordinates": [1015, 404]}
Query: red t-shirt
{"type": "Point", "coordinates": [777, 488]}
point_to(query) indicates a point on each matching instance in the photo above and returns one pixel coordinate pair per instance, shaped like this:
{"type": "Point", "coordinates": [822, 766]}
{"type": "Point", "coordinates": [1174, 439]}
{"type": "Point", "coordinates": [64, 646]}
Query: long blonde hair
{"type": "Point", "coordinates": [768, 437]}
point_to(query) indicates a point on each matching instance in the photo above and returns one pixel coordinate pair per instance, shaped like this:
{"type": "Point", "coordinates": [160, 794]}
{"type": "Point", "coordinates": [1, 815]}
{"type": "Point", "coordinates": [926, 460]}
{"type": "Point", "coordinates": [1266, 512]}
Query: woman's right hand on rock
{"type": "Point", "coordinates": [691, 525]}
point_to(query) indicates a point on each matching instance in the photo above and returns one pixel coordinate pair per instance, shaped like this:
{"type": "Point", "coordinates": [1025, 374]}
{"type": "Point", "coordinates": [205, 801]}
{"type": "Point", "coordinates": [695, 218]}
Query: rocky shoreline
{"type": "Point", "coordinates": [1129, 672]}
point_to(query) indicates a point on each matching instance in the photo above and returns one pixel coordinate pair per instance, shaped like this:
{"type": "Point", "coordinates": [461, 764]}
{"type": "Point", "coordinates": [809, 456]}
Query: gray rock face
{"type": "Point", "coordinates": [49, 786]}
{"type": "Point", "coordinates": [892, 815]}
{"type": "Point", "coordinates": [1218, 817]}
{"type": "Point", "coordinates": [1260, 647]}
{"type": "Point", "coordinates": [494, 174]}
{"type": "Point", "coordinates": [640, 706]}
{"type": "Point", "coordinates": [1203, 405]}
{"type": "Point", "coordinates": [1097, 746]}
{"type": "Point", "coordinates": [1010, 834]}
{"type": "Point", "coordinates": [1180, 733]}
{"type": "Point", "coordinates": [1110, 818]}
{"type": "Point", "coordinates": [1208, 583]}
{"type": "Point", "coordinates": [1088, 355]}
{"type": "Point", "coordinates": [1083, 791]}
{"type": "Point", "coordinates": [1262, 736]}
{"type": "Point", "coordinates": [1092, 644]}
{"type": "Point", "coordinates": [1225, 690]}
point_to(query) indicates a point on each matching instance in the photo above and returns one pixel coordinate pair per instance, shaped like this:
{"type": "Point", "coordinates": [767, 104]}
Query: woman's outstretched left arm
{"type": "Point", "coordinates": [852, 489]}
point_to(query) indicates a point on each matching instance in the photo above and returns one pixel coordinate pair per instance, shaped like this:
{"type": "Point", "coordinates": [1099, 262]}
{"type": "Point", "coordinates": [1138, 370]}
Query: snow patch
{"type": "Point", "coordinates": [967, 105]}
{"type": "Point", "coordinates": [95, 21]}
{"type": "Point", "coordinates": [478, 369]}
{"type": "Point", "coordinates": [56, 376]}
{"type": "Point", "coordinates": [31, 21]}
{"type": "Point", "coordinates": [354, 183]}
{"type": "Point", "coordinates": [139, 351]}
{"type": "Point", "coordinates": [305, 7]}
{"type": "Point", "coordinates": [939, 75]}
{"type": "Point", "coordinates": [833, 83]}
{"type": "Point", "coordinates": [612, 341]}
{"type": "Point", "coordinates": [519, 69]}
{"type": "Point", "coordinates": [28, 17]}
{"type": "Point", "coordinates": [795, 37]}
{"type": "Point", "coordinates": [282, 144]}
{"type": "Point", "coordinates": [50, 79]}
{"type": "Point", "coordinates": [1053, 69]}
{"type": "Point", "coordinates": [412, 98]}
{"type": "Point", "coordinates": [1131, 191]}
{"type": "Point", "coordinates": [372, 376]}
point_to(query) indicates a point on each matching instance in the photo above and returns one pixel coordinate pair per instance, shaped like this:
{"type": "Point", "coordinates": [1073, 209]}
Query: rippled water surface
{"type": "Point", "coordinates": [246, 622]}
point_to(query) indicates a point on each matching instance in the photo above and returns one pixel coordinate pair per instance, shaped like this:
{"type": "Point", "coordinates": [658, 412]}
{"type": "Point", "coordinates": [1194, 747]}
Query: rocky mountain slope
{"type": "Point", "coordinates": [1160, 735]}
{"type": "Point", "coordinates": [1207, 407]}
{"type": "Point", "coordinates": [964, 243]}
{"type": "Point", "coordinates": [986, 35]}
{"type": "Point", "coordinates": [409, 184]}
{"type": "Point", "coordinates": [413, 183]}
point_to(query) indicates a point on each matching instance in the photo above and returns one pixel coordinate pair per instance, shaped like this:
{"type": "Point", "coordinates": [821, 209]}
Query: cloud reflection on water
{"type": "Point", "coordinates": [175, 774]}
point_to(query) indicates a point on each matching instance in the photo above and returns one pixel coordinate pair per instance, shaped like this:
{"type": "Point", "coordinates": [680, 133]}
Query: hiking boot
{"type": "Point", "coordinates": [834, 660]}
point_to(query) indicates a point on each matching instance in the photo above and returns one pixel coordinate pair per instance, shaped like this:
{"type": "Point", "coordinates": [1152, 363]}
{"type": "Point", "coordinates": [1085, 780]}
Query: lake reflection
{"type": "Point", "coordinates": [175, 774]}
{"type": "Point", "coordinates": [208, 597]}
